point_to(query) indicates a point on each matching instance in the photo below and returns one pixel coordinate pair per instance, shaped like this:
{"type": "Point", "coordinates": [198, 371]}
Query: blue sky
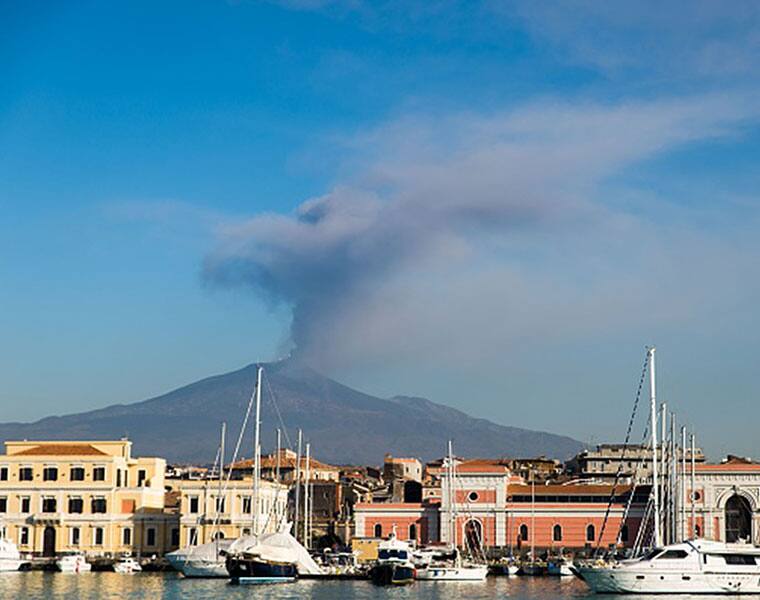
{"type": "Point", "coordinates": [494, 205]}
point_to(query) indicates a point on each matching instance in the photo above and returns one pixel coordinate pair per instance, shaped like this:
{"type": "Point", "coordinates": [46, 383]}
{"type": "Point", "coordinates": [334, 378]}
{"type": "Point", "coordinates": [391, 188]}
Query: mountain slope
{"type": "Point", "coordinates": [344, 425]}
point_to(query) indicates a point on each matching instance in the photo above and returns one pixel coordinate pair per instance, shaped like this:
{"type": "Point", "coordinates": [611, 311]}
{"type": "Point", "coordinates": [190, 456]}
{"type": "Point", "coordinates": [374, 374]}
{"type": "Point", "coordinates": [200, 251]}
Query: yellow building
{"type": "Point", "coordinates": [207, 513]}
{"type": "Point", "coordinates": [58, 496]}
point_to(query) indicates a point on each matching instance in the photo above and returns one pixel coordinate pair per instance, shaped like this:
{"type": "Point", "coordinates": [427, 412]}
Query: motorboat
{"type": "Point", "coordinates": [393, 565]}
{"type": "Point", "coordinates": [559, 567]}
{"type": "Point", "coordinates": [127, 565]}
{"type": "Point", "coordinates": [691, 567]}
{"type": "Point", "coordinates": [73, 563]}
{"type": "Point", "coordinates": [449, 566]}
{"type": "Point", "coordinates": [270, 558]}
{"type": "Point", "coordinates": [204, 560]}
{"type": "Point", "coordinates": [10, 558]}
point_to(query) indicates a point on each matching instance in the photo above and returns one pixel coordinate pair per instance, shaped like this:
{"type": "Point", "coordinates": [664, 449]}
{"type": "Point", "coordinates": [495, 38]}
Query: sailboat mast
{"type": "Point", "coordinates": [451, 497]}
{"type": "Point", "coordinates": [672, 471]}
{"type": "Point", "coordinates": [221, 476]}
{"type": "Point", "coordinates": [533, 516]}
{"type": "Point", "coordinates": [683, 482]}
{"type": "Point", "coordinates": [257, 454]}
{"type": "Point", "coordinates": [693, 482]}
{"type": "Point", "coordinates": [298, 483]}
{"type": "Point", "coordinates": [277, 459]}
{"type": "Point", "coordinates": [664, 469]}
{"type": "Point", "coordinates": [653, 427]}
{"type": "Point", "coordinates": [307, 475]}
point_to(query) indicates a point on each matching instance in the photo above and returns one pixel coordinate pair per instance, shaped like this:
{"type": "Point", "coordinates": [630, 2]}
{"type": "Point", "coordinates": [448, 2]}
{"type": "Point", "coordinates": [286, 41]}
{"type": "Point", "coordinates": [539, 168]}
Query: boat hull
{"type": "Point", "coordinates": [392, 574]}
{"type": "Point", "coordinates": [559, 570]}
{"type": "Point", "coordinates": [618, 581]}
{"type": "Point", "coordinates": [10, 564]}
{"type": "Point", "coordinates": [452, 573]}
{"type": "Point", "coordinates": [250, 570]}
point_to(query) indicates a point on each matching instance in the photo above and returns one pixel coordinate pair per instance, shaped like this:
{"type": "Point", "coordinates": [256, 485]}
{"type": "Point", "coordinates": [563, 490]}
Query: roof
{"type": "Point", "coordinates": [286, 462]}
{"type": "Point", "coordinates": [63, 449]}
{"type": "Point", "coordinates": [567, 490]}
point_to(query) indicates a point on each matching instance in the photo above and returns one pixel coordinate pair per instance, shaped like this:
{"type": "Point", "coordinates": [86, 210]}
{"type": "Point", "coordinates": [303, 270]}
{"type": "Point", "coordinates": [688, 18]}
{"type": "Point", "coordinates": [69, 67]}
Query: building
{"type": "Point", "coordinates": [603, 463]}
{"type": "Point", "coordinates": [726, 501]}
{"type": "Point", "coordinates": [209, 511]}
{"type": "Point", "coordinates": [61, 496]}
{"type": "Point", "coordinates": [285, 462]}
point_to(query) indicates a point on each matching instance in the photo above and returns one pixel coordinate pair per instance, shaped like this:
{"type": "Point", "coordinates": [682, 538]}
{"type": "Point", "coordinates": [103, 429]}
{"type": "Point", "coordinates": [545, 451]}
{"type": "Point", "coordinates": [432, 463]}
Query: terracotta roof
{"type": "Point", "coordinates": [62, 450]}
{"type": "Point", "coordinates": [286, 462]}
{"type": "Point", "coordinates": [727, 466]}
{"type": "Point", "coordinates": [567, 490]}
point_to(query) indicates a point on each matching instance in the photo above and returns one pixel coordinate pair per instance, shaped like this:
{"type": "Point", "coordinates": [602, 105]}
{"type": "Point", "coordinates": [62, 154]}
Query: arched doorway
{"type": "Point", "coordinates": [738, 519]}
{"type": "Point", "coordinates": [473, 534]}
{"type": "Point", "coordinates": [48, 541]}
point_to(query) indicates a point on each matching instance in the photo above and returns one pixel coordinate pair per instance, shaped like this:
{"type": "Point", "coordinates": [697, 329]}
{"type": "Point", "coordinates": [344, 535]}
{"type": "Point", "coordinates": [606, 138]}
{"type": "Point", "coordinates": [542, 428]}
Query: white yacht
{"type": "Point", "coordinates": [10, 558]}
{"type": "Point", "coordinates": [73, 563]}
{"type": "Point", "coordinates": [204, 560]}
{"type": "Point", "coordinates": [127, 565]}
{"type": "Point", "coordinates": [393, 565]}
{"type": "Point", "coordinates": [691, 567]}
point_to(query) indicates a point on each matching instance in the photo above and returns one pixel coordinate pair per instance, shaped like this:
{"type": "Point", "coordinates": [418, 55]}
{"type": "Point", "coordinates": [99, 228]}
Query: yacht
{"type": "Point", "coordinates": [127, 565]}
{"type": "Point", "coordinates": [204, 560]}
{"type": "Point", "coordinates": [691, 567]}
{"type": "Point", "coordinates": [10, 558]}
{"type": "Point", "coordinates": [393, 564]}
{"type": "Point", "coordinates": [73, 563]}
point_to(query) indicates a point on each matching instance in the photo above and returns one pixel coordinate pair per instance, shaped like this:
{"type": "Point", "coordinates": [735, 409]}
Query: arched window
{"type": "Point", "coordinates": [413, 532]}
{"type": "Point", "coordinates": [523, 532]}
{"type": "Point", "coordinates": [473, 534]}
{"type": "Point", "coordinates": [697, 530]}
{"type": "Point", "coordinates": [624, 533]}
{"type": "Point", "coordinates": [378, 530]}
{"type": "Point", "coordinates": [590, 533]}
{"type": "Point", "coordinates": [219, 535]}
{"type": "Point", "coordinates": [738, 520]}
{"type": "Point", "coordinates": [557, 533]}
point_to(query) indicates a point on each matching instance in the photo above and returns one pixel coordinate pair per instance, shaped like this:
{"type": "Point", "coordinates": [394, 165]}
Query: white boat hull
{"type": "Point", "coordinates": [444, 573]}
{"type": "Point", "coordinates": [81, 566]}
{"type": "Point", "coordinates": [203, 568]}
{"type": "Point", "coordinates": [617, 581]}
{"type": "Point", "coordinates": [10, 564]}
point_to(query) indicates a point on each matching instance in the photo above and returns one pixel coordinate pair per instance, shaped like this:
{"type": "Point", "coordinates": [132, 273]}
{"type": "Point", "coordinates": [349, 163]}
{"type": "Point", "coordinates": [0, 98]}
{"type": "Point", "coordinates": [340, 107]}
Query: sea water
{"type": "Point", "coordinates": [111, 586]}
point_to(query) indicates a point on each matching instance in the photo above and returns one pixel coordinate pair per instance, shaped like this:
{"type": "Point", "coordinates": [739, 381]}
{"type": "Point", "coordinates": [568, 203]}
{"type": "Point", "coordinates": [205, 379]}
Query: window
{"type": "Point", "coordinates": [473, 496]}
{"type": "Point", "coordinates": [76, 474]}
{"type": "Point", "coordinates": [48, 504]}
{"type": "Point", "coordinates": [220, 505]}
{"type": "Point", "coordinates": [74, 536]}
{"type": "Point", "coordinates": [3, 504]}
{"type": "Point", "coordinates": [175, 537]}
{"type": "Point", "coordinates": [557, 533]}
{"type": "Point", "coordinates": [739, 559]}
{"type": "Point", "coordinates": [219, 535]}
{"type": "Point", "coordinates": [378, 530]}
{"type": "Point", "coordinates": [26, 503]}
{"type": "Point", "coordinates": [151, 536]}
{"type": "Point", "coordinates": [194, 504]}
{"type": "Point", "coordinates": [118, 477]}
{"type": "Point", "coordinates": [192, 536]}
{"type": "Point", "coordinates": [697, 530]}
{"type": "Point", "coordinates": [76, 505]}
{"type": "Point", "coordinates": [99, 474]}
{"type": "Point", "coordinates": [98, 505]}
{"type": "Point", "coordinates": [97, 536]}
{"type": "Point", "coordinates": [246, 531]}
{"type": "Point", "coordinates": [126, 478]}
{"type": "Point", "coordinates": [141, 477]}
{"type": "Point", "coordinates": [673, 555]}
{"type": "Point", "coordinates": [3, 473]}
{"type": "Point", "coordinates": [25, 474]}
{"type": "Point", "coordinates": [23, 536]}
{"type": "Point", "coordinates": [413, 532]}
{"type": "Point", "coordinates": [50, 474]}
{"type": "Point", "coordinates": [523, 532]}
{"type": "Point", "coordinates": [590, 533]}
{"type": "Point", "coordinates": [246, 504]}
{"type": "Point", "coordinates": [126, 536]}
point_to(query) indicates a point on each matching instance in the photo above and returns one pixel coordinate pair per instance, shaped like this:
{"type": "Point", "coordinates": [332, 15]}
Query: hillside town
{"type": "Point", "coordinates": [96, 498]}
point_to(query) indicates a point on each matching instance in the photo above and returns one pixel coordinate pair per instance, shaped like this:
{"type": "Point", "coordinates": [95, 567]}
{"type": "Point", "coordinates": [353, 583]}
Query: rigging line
{"type": "Point", "coordinates": [623, 453]}
{"type": "Point", "coordinates": [273, 401]}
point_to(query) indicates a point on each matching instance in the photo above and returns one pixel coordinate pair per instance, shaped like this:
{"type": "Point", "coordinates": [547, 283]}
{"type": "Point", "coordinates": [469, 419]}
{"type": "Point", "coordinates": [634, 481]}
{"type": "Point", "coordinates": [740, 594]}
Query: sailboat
{"type": "Point", "coordinates": [532, 566]}
{"type": "Point", "coordinates": [456, 570]}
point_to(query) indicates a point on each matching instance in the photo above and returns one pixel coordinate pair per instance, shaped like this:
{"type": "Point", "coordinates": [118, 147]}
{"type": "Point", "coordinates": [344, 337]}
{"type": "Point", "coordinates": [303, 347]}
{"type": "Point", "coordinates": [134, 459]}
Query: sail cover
{"type": "Point", "coordinates": [202, 552]}
{"type": "Point", "coordinates": [280, 546]}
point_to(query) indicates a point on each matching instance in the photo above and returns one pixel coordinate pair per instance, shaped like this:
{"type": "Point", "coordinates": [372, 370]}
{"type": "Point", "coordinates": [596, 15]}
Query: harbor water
{"type": "Point", "coordinates": [111, 586]}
